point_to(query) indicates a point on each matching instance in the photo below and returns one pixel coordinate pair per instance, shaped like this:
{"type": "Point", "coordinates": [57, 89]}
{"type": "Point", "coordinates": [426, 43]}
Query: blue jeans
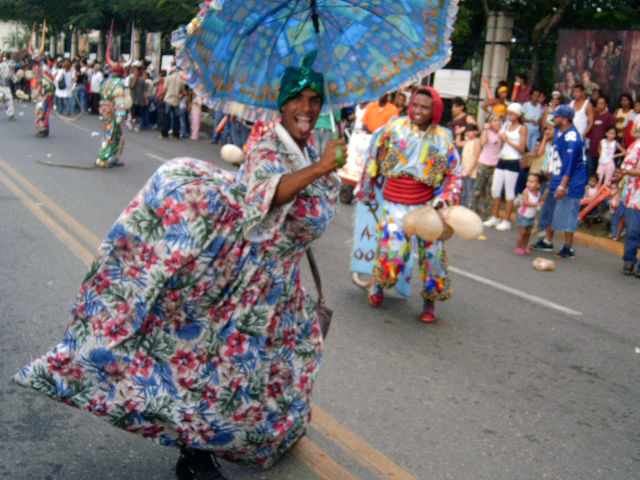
{"type": "Point", "coordinates": [469, 185]}
{"type": "Point", "coordinates": [616, 216]}
{"type": "Point", "coordinates": [185, 127]}
{"type": "Point", "coordinates": [225, 135]}
{"type": "Point", "coordinates": [632, 239]}
{"type": "Point", "coordinates": [171, 121]}
{"type": "Point", "coordinates": [239, 133]}
{"type": "Point", "coordinates": [81, 90]}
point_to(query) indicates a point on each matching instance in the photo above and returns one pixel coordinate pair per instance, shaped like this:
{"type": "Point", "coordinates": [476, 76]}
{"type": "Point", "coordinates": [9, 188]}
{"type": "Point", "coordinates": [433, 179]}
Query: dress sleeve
{"type": "Point", "coordinates": [261, 174]}
{"type": "Point", "coordinates": [371, 173]}
{"type": "Point", "coordinates": [452, 185]}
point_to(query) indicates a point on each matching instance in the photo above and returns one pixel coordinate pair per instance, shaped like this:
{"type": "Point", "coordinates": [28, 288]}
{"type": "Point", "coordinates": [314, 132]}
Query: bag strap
{"type": "Point", "coordinates": [316, 275]}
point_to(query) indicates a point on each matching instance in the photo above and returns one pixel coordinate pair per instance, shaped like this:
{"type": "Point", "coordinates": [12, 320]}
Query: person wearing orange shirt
{"type": "Point", "coordinates": [379, 113]}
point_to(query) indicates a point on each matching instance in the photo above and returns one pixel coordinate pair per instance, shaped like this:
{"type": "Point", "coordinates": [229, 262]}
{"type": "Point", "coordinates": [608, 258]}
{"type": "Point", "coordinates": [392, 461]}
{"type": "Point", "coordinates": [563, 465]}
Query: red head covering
{"type": "Point", "coordinates": [437, 108]}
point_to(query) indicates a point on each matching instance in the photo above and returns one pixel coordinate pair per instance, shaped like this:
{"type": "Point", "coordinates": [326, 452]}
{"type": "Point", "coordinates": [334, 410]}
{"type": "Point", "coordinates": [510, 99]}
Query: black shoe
{"type": "Point", "coordinates": [627, 268]}
{"type": "Point", "coordinates": [543, 245]}
{"type": "Point", "coordinates": [196, 464]}
{"type": "Point", "coordinates": [566, 252]}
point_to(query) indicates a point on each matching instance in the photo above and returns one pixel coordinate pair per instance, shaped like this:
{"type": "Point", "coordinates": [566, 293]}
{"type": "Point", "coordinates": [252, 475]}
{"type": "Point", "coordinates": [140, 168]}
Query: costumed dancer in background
{"type": "Point", "coordinates": [5, 90]}
{"type": "Point", "coordinates": [113, 109]}
{"type": "Point", "coordinates": [45, 103]}
{"type": "Point", "coordinates": [415, 163]}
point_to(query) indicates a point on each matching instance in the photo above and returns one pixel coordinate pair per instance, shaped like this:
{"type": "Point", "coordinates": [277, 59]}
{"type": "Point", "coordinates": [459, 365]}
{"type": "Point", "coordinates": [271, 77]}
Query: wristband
{"type": "Point", "coordinates": [562, 187]}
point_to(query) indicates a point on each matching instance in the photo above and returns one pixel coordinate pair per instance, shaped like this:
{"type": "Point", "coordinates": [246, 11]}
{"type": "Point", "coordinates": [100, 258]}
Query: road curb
{"type": "Point", "coordinates": [606, 244]}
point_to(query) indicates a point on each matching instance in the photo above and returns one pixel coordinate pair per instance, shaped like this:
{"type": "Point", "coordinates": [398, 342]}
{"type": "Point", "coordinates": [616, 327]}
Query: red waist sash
{"type": "Point", "coordinates": [407, 190]}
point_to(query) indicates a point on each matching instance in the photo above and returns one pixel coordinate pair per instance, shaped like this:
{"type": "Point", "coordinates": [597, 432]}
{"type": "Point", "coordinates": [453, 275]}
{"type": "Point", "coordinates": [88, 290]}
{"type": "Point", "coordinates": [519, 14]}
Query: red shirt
{"type": "Point", "coordinates": [601, 121]}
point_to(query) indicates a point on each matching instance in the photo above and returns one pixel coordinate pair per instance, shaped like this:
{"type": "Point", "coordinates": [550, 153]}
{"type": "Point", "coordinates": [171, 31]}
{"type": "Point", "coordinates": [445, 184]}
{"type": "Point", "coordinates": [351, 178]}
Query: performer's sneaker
{"type": "Point", "coordinates": [428, 313]}
{"type": "Point", "coordinates": [375, 296]}
{"type": "Point", "coordinates": [627, 268]}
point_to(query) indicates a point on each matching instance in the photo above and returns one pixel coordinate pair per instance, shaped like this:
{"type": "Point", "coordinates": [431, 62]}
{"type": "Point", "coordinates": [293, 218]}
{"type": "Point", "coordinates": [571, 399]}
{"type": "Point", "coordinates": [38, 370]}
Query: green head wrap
{"type": "Point", "coordinates": [297, 79]}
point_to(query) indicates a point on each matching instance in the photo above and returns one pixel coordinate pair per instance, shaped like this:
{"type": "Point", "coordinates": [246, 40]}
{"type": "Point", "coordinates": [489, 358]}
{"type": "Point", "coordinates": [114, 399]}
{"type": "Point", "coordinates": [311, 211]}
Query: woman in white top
{"type": "Point", "coordinates": [514, 136]}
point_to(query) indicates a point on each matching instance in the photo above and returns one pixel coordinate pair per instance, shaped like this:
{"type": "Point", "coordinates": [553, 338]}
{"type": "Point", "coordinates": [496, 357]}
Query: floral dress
{"type": "Point", "coordinates": [192, 327]}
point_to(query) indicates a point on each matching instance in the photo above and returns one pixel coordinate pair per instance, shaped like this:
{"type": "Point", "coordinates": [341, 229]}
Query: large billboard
{"type": "Point", "coordinates": [610, 59]}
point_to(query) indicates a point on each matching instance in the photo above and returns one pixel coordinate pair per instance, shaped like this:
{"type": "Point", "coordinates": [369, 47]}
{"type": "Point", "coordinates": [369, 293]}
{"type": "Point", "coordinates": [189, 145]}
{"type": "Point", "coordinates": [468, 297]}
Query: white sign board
{"type": "Point", "coordinates": [452, 83]}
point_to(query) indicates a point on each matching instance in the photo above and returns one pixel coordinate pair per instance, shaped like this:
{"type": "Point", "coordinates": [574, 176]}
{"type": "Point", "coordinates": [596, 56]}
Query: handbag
{"type": "Point", "coordinates": [62, 83]}
{"type": "Point", "coordinates": [324, 312]}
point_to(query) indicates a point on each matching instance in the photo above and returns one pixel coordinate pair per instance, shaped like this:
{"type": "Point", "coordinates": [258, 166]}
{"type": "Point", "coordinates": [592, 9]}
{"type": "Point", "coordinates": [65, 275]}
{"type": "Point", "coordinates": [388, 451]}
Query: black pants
{"type": "Point", "coordinates": [95, 103]}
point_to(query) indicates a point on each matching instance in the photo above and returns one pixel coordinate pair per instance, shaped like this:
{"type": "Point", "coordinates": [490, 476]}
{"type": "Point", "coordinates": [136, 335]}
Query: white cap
{"type": "Point", "coordinates": [515, 108]}
{"type": "Point", "coordinates": [137, 63]}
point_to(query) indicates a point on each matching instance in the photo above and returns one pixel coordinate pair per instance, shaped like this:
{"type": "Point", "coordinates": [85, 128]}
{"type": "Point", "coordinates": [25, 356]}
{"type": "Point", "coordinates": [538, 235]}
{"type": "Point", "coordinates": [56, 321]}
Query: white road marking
{"type": "Point", "coordinates": [156, 157]}
{"type": "Point", "coordinates": [516, 292]}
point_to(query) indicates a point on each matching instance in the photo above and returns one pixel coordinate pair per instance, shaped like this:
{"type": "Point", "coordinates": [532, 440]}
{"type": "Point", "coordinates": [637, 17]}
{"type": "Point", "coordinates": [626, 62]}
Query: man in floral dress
{"type": "Point", "coordinates": [192, 328]}
{"type": "Point", "coordinates": [414, 161]}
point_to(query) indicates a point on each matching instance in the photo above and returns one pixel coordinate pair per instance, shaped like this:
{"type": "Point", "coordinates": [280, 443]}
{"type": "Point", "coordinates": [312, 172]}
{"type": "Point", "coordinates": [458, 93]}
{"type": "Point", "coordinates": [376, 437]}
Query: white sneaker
{"type": "Point", "coordinates": [504, 225]}
{"type": "Point", "coordinates": [492, 222]}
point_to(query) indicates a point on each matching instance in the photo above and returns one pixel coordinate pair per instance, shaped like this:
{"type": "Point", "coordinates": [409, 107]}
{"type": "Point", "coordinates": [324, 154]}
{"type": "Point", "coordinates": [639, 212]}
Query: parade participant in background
{"type": "Point", "coordinates": [568, 181]}
{"type": "Point", "coordinates": [416, 158]}
{"type": "Point", "coordinates": [379, 113]}
{"type": "Point", "coordinates": [631, 168]}
{"type": "Point", "coordinates": [45, 103]}
{"type": "Point", "coordinates": [514, 137]}
{"type": "Point", "coordinates": [5, 90]}
{"type": "Point", "coordinates": [113, 109]}
{"type": "Point", "coordinates": [196, 291]}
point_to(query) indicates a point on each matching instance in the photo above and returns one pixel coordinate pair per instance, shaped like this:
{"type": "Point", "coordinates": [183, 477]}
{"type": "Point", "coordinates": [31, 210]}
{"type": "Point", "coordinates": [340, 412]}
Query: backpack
{"type": "Point", "coordinates": [62, 83]}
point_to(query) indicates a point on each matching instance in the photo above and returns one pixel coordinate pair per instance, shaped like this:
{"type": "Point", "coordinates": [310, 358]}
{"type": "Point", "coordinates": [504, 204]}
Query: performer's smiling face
{"type": "Point", "coordinates": [299, 115]}
{"type": "Point", "coordinates": [422, 110]}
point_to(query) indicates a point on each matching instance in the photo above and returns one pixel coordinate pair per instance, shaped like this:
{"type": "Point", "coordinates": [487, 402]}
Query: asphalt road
{"type": "Point", "coordinates": [526, 375]}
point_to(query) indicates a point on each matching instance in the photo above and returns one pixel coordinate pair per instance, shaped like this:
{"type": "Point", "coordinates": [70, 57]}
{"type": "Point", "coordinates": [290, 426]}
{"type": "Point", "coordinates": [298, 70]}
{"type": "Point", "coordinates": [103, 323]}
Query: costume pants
{"type": "Point", "coordinates": [395, 249]}
{"type": "Point", "coordinates": [7, 98]}
{"type": "Point", "coordinates": [632, 239]}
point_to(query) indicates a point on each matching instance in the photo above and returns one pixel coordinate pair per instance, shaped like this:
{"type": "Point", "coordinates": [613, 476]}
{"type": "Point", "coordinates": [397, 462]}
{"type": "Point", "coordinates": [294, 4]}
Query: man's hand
{"type": "Point", "coordinates": [329, 160]}
{"type": "Point", "coordinates": [560, 193]}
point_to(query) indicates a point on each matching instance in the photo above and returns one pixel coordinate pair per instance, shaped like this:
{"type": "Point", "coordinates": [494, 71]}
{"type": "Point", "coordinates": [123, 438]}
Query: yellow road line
{"type": "Point", "coordinates": [306, 450]}
{"type": "Point", "coordinates": [67, 219]}
{"type": "Point", "coordinates": [67, 239]}
{"type": "Point", "coordinates": [321, 463]}
{"type": "Point", "coordinates": [356, 447]}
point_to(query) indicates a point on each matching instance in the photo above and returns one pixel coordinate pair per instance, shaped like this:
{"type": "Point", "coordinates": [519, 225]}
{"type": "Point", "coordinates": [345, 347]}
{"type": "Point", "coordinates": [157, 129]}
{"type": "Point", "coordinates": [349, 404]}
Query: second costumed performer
{"type": "Point", "coordinates": [415, 163]}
